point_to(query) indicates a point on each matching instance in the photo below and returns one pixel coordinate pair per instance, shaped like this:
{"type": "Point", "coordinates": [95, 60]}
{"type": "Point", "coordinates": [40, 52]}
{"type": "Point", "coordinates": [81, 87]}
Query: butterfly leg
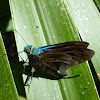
{"type": "Point", "coordinates": [32, 71]}
{"type": "Point", "coordinates": [24, 65]}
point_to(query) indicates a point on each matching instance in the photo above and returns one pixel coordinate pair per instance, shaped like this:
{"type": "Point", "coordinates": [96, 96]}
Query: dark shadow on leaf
{"type": "Point", "coordinates": [71, 77]}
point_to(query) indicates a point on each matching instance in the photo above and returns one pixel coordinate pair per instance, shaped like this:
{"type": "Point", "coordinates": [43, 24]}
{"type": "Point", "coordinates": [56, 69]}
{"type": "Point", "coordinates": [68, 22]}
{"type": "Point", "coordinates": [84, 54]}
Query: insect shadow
{"type": "Point", "coordinates": [49, 61]}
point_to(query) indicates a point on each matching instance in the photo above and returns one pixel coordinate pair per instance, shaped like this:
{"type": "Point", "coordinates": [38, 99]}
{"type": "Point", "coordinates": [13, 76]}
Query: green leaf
{"type": "Point", "coordinates": [87, 19]}
{"type": "Point", "coordinates": [44, 22]}
{"type": "Point", "coordinates": [97, 3]}
{"type": "Point", "coordinates": [7, 86]}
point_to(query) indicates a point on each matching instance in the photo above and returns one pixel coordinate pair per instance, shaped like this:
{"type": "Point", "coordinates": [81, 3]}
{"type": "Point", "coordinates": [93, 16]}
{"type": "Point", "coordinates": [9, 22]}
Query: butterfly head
{"type": "Point", "coordinates": [27, 49]}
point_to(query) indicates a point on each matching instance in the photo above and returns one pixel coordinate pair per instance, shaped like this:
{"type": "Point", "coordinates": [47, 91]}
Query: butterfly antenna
{"type": "Point", "coordinates": [21, 36]}
{"type": "Point", "coordinates": [21, 58]}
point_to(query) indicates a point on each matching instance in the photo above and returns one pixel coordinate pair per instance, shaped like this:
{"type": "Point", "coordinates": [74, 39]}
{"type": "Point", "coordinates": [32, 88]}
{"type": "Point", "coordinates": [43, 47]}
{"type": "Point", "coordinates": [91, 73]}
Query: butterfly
{"type": "Point", "coordinates": [56, 59]}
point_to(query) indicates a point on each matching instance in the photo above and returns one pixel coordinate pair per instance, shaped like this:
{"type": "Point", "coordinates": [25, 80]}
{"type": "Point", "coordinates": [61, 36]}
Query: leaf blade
{"type": "Point", "coordinates": [7, 86]}
{"type": "Point", "coordinates": [49, 29]}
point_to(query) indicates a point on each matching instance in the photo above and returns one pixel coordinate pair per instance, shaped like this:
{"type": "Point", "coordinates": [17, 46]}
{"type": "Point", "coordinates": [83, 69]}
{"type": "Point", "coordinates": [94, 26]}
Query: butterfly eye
{"type": "Point", "coordinates": [27, 49]}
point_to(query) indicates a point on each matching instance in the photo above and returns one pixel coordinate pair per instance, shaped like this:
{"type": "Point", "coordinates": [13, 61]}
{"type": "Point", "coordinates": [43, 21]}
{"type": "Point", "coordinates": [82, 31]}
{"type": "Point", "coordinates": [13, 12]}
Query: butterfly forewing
{"type": "Point", "coordinates": [68, 54]}
{"type": "Point", "coordinates": [66, 45]}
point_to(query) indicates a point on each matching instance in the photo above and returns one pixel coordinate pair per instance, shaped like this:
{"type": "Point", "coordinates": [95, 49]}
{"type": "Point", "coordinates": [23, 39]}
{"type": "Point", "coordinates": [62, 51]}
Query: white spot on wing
{"type": "Point", "coordinates": [62, 69]}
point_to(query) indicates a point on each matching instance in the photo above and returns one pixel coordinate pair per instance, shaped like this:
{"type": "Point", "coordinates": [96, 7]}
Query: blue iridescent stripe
{"type": "Point", "coordinates": [47, 48]}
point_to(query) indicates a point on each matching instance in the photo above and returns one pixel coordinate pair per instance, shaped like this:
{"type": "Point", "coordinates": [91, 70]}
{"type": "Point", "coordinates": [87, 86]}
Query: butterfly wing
{"type": "Point", "coordinates": [72, 44]}
{"type": "Point", "coordinates": [56, 56]}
